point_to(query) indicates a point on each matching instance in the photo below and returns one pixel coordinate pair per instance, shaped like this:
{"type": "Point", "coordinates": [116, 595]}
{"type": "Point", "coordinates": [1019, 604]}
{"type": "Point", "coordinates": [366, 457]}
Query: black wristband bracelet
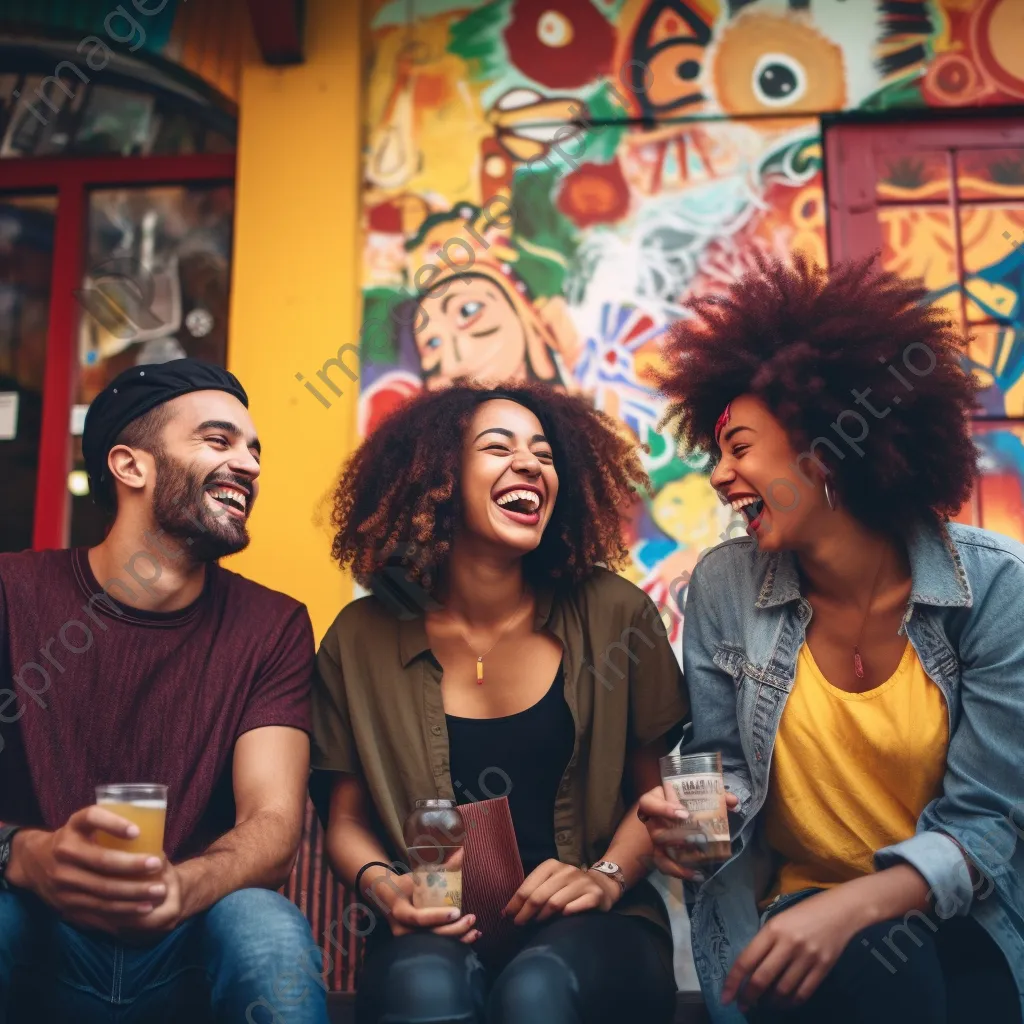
{"type": "Point", "coordinates": [372, 864]}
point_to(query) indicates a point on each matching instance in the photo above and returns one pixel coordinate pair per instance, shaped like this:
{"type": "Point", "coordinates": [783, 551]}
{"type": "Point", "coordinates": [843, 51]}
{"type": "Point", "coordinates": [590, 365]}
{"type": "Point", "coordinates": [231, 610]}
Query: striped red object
{"type": "Point", "coordinates": [313, 888]}
{"type": "Point", "coordinates": [491, 874]}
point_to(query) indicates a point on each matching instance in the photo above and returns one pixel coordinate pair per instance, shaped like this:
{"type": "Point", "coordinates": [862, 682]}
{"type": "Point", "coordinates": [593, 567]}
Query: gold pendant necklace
{"type": "Point", "coordinates": [858, 662]}
{"type": "Point", "coordinates": [501, 634]}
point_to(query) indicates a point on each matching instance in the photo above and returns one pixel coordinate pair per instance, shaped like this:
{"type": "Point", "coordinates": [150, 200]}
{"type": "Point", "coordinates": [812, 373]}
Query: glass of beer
{"type": "Point", "coordinates": [143, 804]}
{"type": "Point", "coordinates": [694, 781]}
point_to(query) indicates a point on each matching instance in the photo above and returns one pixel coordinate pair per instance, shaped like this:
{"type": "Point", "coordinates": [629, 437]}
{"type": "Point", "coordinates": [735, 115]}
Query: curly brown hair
{"type": "Point", "coordinates": [819, 346]}
{"type": "Point", "coordinates": [399, 496]}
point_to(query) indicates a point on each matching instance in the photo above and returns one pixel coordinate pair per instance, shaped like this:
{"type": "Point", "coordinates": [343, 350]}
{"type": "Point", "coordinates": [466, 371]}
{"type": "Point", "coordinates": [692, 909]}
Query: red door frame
{"type": "Point", "coordinates": [71, 179]}
{"type": "Point", "coordinates": [853, 227]}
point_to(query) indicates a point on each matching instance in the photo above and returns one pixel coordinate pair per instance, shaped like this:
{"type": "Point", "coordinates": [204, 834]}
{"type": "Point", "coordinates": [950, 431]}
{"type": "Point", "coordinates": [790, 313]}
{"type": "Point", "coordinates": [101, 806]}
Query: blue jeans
{"type": "Point", "coordinates": [250, 958]}
{"type": "Point", "coordinates": [592, 968]}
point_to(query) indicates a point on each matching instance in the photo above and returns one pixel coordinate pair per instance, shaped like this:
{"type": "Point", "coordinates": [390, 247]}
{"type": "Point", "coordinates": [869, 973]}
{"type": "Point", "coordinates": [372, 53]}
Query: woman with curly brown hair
{"type": "Point", "coordinates": [858, 661]}
{"type": "Point", "coordinates": [497, 646]}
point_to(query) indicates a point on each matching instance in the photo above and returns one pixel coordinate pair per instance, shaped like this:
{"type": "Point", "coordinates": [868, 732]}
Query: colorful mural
{"type": "Point", "coordinates": [546, 181]}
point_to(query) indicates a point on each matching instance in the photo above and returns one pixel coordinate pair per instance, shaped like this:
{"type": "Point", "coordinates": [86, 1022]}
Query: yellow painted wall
{"type": "Point", "coordinates": [295, 298]}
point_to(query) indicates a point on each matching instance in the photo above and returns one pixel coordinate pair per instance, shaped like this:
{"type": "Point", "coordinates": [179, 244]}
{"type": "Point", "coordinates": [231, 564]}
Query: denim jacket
{"type": "Point", "coordinates": [745, 624]}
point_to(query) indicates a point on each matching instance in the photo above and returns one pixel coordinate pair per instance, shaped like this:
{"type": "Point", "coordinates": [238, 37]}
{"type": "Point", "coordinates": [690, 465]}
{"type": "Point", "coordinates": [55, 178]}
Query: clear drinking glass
{"type": "Point", "coordinates": [695, 782]}
{"type": "Point", "coordinates": [145, 805]}
{"type": "Point", "coordinates": [434, 835]}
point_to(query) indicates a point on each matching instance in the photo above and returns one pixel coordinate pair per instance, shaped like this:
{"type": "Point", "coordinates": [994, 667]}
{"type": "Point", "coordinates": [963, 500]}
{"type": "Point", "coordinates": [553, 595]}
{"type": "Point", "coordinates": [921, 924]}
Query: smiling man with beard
{"type": "Point", "coordinates": [172, 671]}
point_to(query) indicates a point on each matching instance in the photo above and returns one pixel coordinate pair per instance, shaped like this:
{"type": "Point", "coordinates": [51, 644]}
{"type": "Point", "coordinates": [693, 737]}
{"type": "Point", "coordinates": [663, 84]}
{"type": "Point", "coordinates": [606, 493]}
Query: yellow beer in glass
{"type": "Point", "coordinates": [143, 804]}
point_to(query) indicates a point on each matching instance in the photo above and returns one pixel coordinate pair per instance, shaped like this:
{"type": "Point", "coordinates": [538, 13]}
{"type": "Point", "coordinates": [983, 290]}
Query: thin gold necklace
{"type": "Point", "coordinates": [858, 662]}
{"type": "Point", "coordinates": [501, 635]}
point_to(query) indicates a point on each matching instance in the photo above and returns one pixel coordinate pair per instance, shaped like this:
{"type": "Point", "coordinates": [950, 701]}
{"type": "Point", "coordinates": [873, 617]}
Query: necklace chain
{"type": "Point", "coordinates": [858, 661]}
{"type": "Point", "coordinates": [501, 635]}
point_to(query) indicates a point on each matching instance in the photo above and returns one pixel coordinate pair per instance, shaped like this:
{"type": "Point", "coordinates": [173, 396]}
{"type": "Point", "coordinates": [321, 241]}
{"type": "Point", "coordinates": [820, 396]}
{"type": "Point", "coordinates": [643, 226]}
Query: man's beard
{"type": "Point", "coordinates": [182, 512]}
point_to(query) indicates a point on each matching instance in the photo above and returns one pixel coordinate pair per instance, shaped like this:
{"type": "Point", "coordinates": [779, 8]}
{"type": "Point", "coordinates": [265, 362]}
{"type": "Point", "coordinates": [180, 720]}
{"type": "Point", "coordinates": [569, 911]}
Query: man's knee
{"type": "Point", "coordinates": [534, 983]}
{"type": "Point", "coordinates": [261, 951]}
{"type": "Point", "coordinates": [256, 925]}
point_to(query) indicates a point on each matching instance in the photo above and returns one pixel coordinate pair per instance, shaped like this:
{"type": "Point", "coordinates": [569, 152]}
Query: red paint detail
{"type": "Point", "coordinates": [584, 59]}
{"type": "Point", "coordinates": [386, 218]}
{"type": "Point", "coordinates": [594, 194]}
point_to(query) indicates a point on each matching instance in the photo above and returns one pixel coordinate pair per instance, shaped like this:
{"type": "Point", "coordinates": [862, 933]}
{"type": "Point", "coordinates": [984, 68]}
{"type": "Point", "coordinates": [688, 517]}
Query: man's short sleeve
{"type": "Point", "coordinates": [281, 693]}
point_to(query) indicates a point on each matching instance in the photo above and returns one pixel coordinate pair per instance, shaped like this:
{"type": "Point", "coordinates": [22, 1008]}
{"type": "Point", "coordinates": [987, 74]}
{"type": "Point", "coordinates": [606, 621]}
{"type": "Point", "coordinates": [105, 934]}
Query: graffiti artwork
{"type": "Point", "coordinates": [547, 181]}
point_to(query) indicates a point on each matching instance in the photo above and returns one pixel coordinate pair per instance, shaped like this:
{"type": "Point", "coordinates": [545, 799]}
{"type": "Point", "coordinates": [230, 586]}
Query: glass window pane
{"type": "Point", "coordinates": [1000, 495]}
{"type": "Point", "coordinates": [992, 262]}
{"type": "Point", "coordinates": [918, 242]}
{"type": "Point", "coordinates": [39, 119]}
{"type": "Point", "coordinates": [996, 355]}
{"type": "Point", "coordinates": [26, 254]}
{"type": "Point", "coordinates": [155, 289]}
{"type": "Point", "coordinates": [993, 279]}
{"type": "Point", "coordinates": [83, 118]}
{"type": "Point", "coordinates": [114, 121]}
{"type": "Point", "coordinates": [990, 173]}
{"type": "Point", "coordinates": [912, 176]}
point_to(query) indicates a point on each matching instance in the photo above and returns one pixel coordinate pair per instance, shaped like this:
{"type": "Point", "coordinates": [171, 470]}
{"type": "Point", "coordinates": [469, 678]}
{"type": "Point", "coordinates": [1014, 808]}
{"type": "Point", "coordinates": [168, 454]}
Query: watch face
{"type": "Point", "coordinates": [607, 867]}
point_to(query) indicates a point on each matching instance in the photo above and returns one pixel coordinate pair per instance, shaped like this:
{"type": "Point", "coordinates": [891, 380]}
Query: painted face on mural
{"type": "Point", "coordinates": [468, 327]}
{"type": "Point", "coordinates": [509, 480]}
{"type": "Point", "coordinates": [781, 499]}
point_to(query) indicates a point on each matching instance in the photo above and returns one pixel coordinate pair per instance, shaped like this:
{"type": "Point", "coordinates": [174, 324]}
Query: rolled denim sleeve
{"type": "Point", "coordinates": [712, 691]}
{"type": "Point", "coordinates": [982, 803]}
{"type": "Point", "coordinates": [940, 862]}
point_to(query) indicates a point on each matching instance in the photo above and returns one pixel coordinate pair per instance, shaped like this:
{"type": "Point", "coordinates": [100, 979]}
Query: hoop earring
{"type": "Point", "coordinates": [830, 493]}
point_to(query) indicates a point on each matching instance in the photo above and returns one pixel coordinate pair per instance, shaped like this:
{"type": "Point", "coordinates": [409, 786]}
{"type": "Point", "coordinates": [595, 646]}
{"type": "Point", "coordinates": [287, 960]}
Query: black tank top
{"type": "Point", "coordinates": [522, 756]}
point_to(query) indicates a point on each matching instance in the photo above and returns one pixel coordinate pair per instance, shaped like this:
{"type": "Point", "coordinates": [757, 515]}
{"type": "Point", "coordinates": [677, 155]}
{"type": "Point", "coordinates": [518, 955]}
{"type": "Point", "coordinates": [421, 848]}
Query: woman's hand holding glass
{"type": "Point", "coordinates": [662, 818]}
{"type": "Point", "coordinates": [404, 918]}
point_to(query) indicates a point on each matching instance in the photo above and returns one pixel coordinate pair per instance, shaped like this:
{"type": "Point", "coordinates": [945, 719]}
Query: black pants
{"type": "Point", "coordinates": [586, 969]}
{"type": "Point", "coordinates": [942, 972]}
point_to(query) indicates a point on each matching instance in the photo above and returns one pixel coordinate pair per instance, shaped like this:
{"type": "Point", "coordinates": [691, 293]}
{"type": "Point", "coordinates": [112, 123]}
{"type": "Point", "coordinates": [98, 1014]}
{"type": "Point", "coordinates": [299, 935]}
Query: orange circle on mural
{"type": "Point", "coordinates": [766, 63]}
{"type": "Point", "coordinates": [952, 79]}
{"type": "Point", "coordinates": [999, 42]}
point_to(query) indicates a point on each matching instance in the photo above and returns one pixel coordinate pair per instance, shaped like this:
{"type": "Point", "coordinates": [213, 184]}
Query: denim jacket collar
{"type": "Point", "coordinates": [937, 573]}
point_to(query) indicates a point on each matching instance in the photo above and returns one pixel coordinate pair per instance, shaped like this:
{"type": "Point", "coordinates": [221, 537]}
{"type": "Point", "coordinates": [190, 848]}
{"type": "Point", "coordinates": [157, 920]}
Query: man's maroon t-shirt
{"type": "Point", "coordinates": [93, 691]}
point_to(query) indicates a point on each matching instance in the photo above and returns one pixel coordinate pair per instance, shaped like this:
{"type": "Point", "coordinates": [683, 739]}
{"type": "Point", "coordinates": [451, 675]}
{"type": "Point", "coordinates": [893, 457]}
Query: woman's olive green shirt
{"type": "Point", "coordinates": [378, 712]}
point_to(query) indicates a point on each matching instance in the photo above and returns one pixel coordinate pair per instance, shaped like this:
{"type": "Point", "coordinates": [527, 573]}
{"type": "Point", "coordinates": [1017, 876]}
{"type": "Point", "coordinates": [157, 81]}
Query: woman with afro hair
{"type": "Point", "coordinates": [857, 659]}
{"type": "Point", "coordinates": [498, 656]}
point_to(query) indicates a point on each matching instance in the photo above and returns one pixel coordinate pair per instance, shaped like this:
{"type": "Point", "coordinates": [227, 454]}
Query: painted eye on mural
{"type": "Point", "coordinates": [432, 343]}
{"type": "Point", "coordinates": [554, 29]}
{"type": "Point", "coordinates": [779, 80]}
{"type": "Point", "coordinates": [470, 309]}
{"type": "Point", "coordinates": [688, 70]}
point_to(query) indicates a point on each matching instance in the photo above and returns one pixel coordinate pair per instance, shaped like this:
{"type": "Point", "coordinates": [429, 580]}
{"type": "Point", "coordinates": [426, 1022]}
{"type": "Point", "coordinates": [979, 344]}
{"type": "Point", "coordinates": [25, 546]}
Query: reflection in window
{"type": "Point", "coordinates": [26, 253]}
{"type": "Point", "coordinates": [156, 288]}
{"type": "Point", "coordinates": [72, 117]}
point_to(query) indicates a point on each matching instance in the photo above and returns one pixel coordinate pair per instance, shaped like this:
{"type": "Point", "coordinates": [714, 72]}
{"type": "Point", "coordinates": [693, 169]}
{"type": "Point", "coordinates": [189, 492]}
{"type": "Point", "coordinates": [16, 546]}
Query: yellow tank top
{"type": "Point", "coordinates": [851, 772]}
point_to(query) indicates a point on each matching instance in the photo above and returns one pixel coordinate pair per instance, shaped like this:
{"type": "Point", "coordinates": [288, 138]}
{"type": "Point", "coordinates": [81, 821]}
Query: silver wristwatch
{"type": "Point", "coordinates": [606, 867]}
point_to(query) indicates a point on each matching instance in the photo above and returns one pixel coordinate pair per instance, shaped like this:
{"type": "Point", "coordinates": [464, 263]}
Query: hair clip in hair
{"type": "Point", "coordinates": [723, 420]}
